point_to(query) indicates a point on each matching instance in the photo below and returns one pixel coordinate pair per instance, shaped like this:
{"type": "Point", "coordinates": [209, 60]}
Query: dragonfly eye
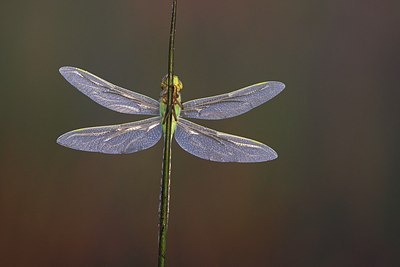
{"type": "Point", "coordinates": [178, 85]}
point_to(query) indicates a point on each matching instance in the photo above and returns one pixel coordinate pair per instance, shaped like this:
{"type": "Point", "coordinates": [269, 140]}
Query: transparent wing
{"type": "Point", "coordinates": [115, 139]}
{"type": "Point", "coordinates": [110, 95]}
{"type": "Point", "coordinates": [231, 104]}
{"type": "Point", "coordinates": [209, 144]}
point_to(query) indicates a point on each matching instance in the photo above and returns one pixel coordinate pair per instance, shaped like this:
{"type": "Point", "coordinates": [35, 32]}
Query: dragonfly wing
{"type": "Point", "coordinates": [115, 139]}
{"type": "Point", "coordinates": [209, 144]}
{"type": "Point", "coordinates": [110, 95]}
{"type": "Point", "coordinates": [231, 104]}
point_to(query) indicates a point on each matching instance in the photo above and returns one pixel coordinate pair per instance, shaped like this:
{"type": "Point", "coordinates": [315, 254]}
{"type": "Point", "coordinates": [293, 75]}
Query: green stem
{"type": "Point", "coordinates": [166, 168]}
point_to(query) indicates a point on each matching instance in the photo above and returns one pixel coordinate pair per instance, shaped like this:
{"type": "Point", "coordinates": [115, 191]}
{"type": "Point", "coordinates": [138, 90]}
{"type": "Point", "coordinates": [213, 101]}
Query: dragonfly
{"type": "Point", "coordinates": [198, 140]}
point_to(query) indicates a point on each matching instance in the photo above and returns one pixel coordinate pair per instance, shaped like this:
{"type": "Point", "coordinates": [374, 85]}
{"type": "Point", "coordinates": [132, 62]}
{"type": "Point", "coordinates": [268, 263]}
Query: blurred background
{"type": "Point", "coordinates": [330, 199]}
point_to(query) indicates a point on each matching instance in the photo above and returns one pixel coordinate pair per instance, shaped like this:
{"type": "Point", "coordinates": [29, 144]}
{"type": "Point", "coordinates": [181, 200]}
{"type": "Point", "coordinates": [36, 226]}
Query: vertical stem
{"type": "Point", "coordinates": [166, 168]}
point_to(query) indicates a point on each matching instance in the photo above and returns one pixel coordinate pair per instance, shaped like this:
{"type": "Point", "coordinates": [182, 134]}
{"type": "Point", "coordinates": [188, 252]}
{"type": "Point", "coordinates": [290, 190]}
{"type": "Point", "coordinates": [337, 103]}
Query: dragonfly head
{"type": "Point", "coordinates": [178, 85]}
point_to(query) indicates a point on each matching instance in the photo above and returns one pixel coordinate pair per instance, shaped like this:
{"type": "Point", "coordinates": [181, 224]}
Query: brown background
{"type": "Point", "coordinates": [331, 199]}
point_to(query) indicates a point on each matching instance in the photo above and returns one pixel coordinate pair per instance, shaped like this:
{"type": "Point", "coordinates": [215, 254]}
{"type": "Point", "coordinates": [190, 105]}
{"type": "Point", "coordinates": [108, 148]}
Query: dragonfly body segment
{"type": "Point", "coordinates": [197, 140]}
{"type": "Point", "coordinates": [176, 102]}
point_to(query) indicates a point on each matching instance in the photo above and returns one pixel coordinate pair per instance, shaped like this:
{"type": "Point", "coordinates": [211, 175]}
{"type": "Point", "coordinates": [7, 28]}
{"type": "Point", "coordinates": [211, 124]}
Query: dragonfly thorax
{"type": "Point", "coordinates": [178, 85]}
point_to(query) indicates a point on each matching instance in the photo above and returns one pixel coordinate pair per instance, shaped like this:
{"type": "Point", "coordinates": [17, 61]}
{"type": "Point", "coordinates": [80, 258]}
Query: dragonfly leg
{"type": "Point", "coordinates": [174, 114]}
{"type": "Point", "coordinates": [168, 113]}
{"type": "Point", "coordinates": [179, 104]}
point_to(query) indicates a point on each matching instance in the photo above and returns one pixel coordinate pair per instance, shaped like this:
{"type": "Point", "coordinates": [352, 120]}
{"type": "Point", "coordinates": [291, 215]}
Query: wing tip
{"type": "Point", "coordinates": [279, 86]}
{"type": "Point", "coordinates": [64, 70]}
{"type": "Point", "coordinates": [61, 140]}
{"type": "Point", "coordinates": [273, 157]}
{"type": "Point", "coordinates": [272, 154]}
{"type": "Point", "coordinates": [268, 155]}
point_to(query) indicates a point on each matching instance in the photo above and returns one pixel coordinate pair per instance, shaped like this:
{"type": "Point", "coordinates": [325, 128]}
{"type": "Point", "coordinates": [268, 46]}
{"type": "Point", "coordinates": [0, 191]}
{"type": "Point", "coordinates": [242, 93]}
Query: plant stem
{"type": "Point", "coordinates": [166, 168]}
